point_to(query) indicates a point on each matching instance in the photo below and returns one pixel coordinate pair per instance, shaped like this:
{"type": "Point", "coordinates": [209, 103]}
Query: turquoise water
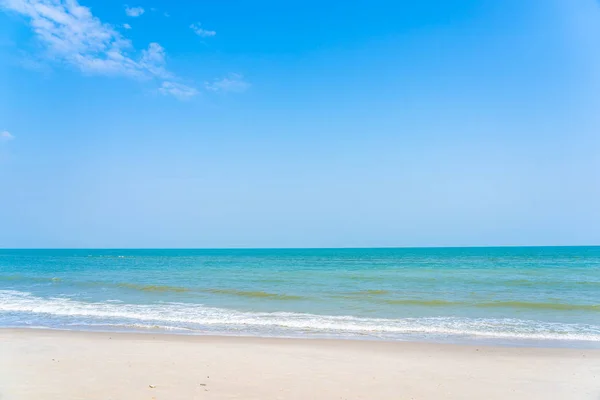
{"type": "Point", "coordinates": [547, 295]}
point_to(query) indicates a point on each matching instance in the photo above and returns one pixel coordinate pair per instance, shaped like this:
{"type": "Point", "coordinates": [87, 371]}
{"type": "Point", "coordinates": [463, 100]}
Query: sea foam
{"type": "Point", "coordinates": [63, 311]}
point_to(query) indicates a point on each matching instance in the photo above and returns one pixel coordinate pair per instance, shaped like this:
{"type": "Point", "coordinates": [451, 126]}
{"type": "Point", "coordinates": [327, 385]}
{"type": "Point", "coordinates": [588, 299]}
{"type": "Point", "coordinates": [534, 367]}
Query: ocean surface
{"type": "Point", "coordinates": [530, 296]}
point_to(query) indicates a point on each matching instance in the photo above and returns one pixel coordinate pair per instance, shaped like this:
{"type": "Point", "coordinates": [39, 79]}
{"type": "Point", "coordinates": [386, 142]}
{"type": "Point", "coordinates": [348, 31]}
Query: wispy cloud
{"type": "Point", "coordinates": [126, 26]}
{"type": "Point", "coordinates": [166, 14]}
{"type": "Point", "coordinates": [231, 83]}
{"type": "Point", "coordinates": [72, 35]}
{"type": "Point", "coordinates": [181, 91]}
{"type": "Point", "coordinates": [153, 61]}
{"type": "Point", "coordinates": [5, 136]}
{"type": "Point", "coordinates": [134, 11]}
{"type": "Point", "coordinates": [197, 28]}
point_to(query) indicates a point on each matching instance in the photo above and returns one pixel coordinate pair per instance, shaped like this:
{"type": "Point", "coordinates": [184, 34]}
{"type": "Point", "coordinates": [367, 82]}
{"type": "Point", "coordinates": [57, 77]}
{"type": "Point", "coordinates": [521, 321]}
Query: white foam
{"type": "Point", "coordinates": [199, 317]}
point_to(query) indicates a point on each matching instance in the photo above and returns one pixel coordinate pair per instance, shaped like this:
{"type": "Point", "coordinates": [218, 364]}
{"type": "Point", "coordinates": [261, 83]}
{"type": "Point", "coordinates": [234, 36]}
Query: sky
{"type": "Point", "coordinates": [317, 124]}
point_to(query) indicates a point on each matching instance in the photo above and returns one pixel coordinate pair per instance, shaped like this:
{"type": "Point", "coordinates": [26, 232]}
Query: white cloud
{"type": "Point", "coordinates": [134, 11]}
{"type": "Point", "coordinates": [178, 90]}
{"type": "Point", "coordinates": [231, 83]}
{"type": "Point", "coordinates": [126, 26]}
{"type": "Point", "coordinates": [197, 28]}
{"type": "Point", "coordinates": [72, 35]}
{"type": "Point", "coordinates": [5, 136]}
{"type": "Point", "coordinates": [153, 61]}
{"type": "Point", "coordinates": [154, 54]}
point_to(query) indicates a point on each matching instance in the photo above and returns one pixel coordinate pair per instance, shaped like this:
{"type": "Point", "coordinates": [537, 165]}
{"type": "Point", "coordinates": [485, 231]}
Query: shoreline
{"type": "Point", "coordinates": [445, 340]}
{"type": "Point", "coordinates": [58, 364]}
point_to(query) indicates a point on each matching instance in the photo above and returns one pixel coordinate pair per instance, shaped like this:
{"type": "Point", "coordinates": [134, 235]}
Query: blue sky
{"type": "Point", "coordinates": [313, 124]}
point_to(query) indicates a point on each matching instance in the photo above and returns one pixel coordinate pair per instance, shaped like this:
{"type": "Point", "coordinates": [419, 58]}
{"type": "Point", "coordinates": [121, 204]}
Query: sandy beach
{"type": "Point", "coordinates": [39, 364]}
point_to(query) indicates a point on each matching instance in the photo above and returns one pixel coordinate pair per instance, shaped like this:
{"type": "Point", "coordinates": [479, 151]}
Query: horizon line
{"type": "Point", "coordinates": [298, 248]}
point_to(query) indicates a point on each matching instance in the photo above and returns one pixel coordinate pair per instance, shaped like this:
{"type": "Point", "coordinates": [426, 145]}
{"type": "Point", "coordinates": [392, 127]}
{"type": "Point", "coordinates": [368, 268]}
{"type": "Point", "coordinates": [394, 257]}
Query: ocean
{"type": "Point", "coordinates": [543, 296]}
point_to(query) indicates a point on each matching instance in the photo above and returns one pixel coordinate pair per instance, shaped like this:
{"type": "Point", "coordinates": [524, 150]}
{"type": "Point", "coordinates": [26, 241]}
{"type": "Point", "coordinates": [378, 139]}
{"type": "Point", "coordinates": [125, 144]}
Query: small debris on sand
{"type": "Point", "coordinates": [152, 386]}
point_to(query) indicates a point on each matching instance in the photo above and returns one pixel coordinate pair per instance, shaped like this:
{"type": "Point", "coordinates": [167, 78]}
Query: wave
{"type": "Point", "coordinates": [379, 296]}
{"type": "Point", "coordinates": [374, 296]}
{"type": "Point", "coordinates": [231, 292]}
{"type": "Point", "coordinates": [542, 306]}
{"type": "Point", "coordinates": [416, 302]}
{"type": "Point", "coordinates": [592, 283]}
{"type": "Point", "coordinates": [154, 288]}
{"type": "Point", "coordinates": [372, 292]}
{"type": "Point", "coordinates": [523, 305]}
{"type": "Point", "coordinates": [199, 318]}
{"type": "Point", "coordinates": [254, 294]}
{"type": "Point", "coordinates": [361, 294]}
{"type": "Point", "coordinates": [34, 279]}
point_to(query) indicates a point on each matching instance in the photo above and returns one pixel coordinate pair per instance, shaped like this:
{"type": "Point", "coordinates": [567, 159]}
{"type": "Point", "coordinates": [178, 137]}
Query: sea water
{"type": "Point", "coordinates": [526, 295]}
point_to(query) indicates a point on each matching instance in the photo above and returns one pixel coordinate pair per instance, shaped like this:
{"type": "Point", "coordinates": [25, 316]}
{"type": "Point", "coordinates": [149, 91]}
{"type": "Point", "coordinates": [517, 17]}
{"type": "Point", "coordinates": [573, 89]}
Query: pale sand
{"type": "Point", "coordinates": [47, 365]}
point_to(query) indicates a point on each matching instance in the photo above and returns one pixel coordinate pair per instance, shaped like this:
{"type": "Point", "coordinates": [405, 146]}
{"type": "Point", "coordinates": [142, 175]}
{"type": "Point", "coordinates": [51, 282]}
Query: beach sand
{"type": "Point", "coordinates": [41, 364]}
